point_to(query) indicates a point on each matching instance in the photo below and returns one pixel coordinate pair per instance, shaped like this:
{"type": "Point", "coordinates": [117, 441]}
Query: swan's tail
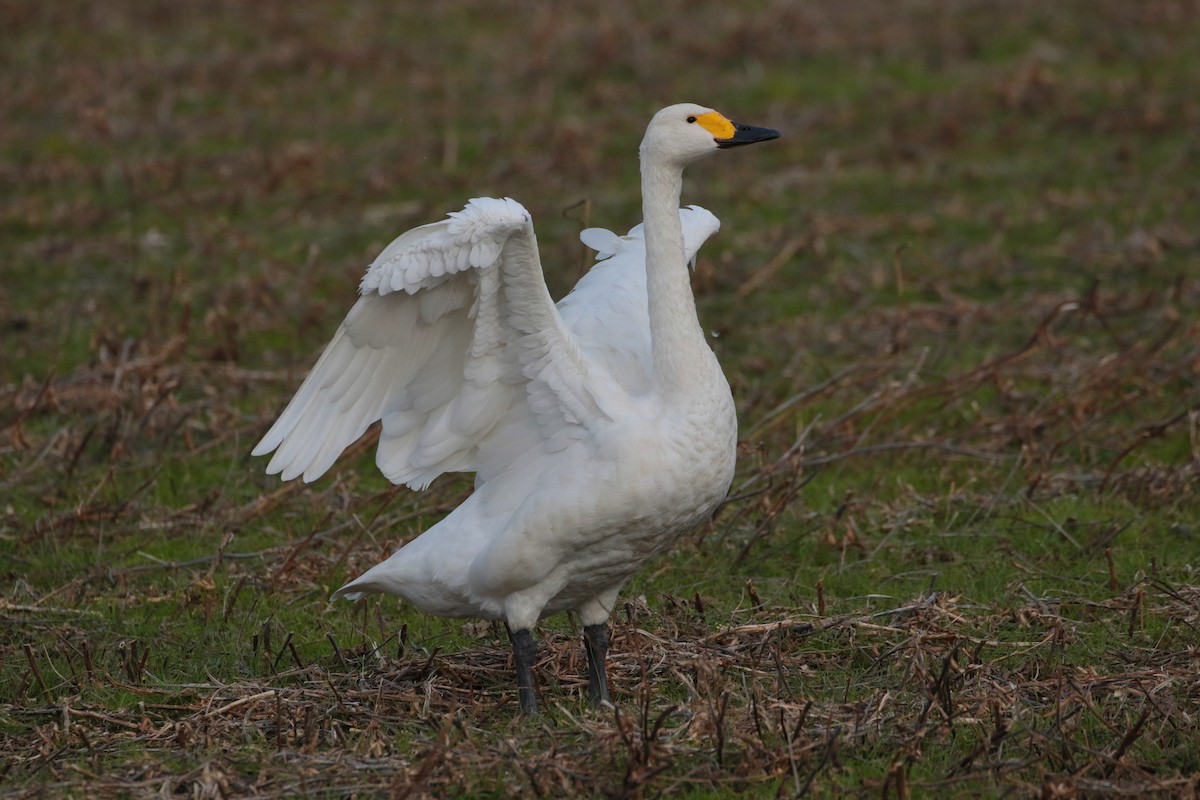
{"type": "Point", "coordinates": [362, 585]}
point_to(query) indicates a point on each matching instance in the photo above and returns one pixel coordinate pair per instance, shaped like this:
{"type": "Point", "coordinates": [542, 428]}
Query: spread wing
{"type": "Point", "coordinates": [454, 331]}
{"type": "Point", "coordinates": [607, 311]}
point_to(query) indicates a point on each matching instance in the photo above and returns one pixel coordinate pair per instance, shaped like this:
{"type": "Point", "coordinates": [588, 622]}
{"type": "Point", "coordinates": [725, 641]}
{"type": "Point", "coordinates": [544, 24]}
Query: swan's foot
{"type": "Point", "coordinates": [595, 641]}
{"type": "Point", "coordinates": [524, 651]}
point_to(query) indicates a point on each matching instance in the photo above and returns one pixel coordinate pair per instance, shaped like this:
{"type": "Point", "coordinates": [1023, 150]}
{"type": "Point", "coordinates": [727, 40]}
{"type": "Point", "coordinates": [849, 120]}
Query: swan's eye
{"type": "Point", "coordinates": [691, 119]}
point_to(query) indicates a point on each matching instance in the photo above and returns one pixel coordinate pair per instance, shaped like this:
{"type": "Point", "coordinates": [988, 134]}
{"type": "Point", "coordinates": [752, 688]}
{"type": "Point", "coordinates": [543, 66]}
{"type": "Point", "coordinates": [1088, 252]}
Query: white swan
{"type": "Point", "coordinates": [599, 429]}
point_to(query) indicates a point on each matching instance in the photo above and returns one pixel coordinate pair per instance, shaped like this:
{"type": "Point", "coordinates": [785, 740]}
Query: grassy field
{"type": "Point", "coordinates": [958, 302]}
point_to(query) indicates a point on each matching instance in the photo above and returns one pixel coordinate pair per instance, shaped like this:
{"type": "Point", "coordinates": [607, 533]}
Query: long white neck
{"type": "Point", "coordinates": [677, 341]}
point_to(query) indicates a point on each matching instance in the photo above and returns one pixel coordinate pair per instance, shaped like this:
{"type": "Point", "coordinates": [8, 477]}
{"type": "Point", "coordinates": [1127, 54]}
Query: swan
{"type": "Point", "coordinates": [599, 429]}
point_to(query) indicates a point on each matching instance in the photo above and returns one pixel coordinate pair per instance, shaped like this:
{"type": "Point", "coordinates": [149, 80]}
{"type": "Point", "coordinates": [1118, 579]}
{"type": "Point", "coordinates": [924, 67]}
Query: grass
{"type": "Point", "coordinates": [957, 303]}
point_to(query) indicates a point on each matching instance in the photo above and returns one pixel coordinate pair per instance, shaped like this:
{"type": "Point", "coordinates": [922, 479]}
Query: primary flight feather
{"type": "Point", "coordinates": [599, 429]}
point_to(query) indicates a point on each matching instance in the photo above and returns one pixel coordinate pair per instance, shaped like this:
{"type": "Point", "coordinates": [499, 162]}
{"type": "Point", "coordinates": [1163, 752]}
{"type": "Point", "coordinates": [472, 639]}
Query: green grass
{"type": "Point", "coordinates": [961, 552]}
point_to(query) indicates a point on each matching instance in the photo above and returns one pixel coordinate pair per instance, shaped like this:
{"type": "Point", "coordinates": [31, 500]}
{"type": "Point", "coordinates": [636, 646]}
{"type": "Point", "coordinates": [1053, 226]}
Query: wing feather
{"type": "Point", "coordinates": [454, 331]}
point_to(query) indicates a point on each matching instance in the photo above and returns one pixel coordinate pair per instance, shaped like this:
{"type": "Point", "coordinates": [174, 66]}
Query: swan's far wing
{"type": "Point", "coordinates": [454, 329]}
{"type": "Point", "coordinates": [698, 225]}
{"type": "Point", "coordinates": [607, 311]}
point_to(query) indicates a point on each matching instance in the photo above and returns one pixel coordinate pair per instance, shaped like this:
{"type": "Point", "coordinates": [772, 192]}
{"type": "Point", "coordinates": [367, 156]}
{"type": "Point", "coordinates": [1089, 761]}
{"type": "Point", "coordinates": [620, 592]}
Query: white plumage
{"type": "Point", "coordinates": [599, 429]}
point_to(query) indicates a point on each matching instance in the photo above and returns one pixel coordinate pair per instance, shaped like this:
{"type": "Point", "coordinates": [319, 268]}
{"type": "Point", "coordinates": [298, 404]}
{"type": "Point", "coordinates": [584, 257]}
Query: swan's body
{"type": "Point", "coordinates": [599, 429]}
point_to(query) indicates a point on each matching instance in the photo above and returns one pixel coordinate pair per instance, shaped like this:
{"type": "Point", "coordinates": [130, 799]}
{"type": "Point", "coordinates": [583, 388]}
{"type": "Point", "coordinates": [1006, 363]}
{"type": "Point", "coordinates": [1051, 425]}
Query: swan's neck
{"type": "Point", "coordinates": [680, 353]}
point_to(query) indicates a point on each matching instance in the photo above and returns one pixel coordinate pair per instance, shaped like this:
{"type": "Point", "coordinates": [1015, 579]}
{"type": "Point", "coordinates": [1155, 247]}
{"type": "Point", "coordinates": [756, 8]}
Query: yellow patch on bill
{"type": "Point", "coordinates": [716, 124]}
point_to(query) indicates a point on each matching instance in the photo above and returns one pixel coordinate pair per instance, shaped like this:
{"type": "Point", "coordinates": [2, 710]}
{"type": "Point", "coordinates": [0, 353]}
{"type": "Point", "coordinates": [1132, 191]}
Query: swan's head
{"type": "Point", "coordinates": [682, 133]}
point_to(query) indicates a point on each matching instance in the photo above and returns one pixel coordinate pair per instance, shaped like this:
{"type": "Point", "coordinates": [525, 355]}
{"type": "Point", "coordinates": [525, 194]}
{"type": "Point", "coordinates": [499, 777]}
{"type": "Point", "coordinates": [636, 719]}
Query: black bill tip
{"type": "Point", "coordinates": [748, 134]}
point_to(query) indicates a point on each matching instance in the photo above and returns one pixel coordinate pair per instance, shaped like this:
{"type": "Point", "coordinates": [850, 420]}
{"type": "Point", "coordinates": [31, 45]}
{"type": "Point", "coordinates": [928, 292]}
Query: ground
{"type": "Point", "coordinates": [958, 302]}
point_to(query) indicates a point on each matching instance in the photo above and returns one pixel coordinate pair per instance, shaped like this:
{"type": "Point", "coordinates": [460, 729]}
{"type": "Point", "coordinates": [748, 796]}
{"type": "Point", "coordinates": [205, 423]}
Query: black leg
{"type": "Point", "coordinates": [595, 641]}
{"type": "Point", "coordinates": [524, 651]}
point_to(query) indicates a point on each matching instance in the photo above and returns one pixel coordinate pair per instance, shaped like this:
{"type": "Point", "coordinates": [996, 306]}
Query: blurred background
{"type": "Point", "coordinates": [167, 163]}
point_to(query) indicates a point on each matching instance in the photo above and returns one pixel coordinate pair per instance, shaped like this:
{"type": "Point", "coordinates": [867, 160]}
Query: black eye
{"type": "Point", "coordinates": [691, 119]}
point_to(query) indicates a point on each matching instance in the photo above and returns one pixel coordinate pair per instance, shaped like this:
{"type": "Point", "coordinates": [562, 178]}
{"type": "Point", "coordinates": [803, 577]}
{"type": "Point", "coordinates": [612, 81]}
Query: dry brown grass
{"type": "Point", "coordinates": [740, 718]}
